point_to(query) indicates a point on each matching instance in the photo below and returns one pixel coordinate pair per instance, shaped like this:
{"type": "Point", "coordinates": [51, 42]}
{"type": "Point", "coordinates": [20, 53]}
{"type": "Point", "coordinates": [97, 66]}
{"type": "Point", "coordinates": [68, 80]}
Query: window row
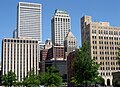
{"type": "Point", "coordinates": [106, 47]}
{"type": "Point", "coordinates": [62, 19]}
{"type": "Point", "coordinates": [106, 52]}
{"type": "Point", "coordinates": [20, 41]}
{"type": "Point", "coordinates": [103, 74]}
{"type": "Point", "coordinates": [106, 32]}
{"type": "Point", "coordinates": [106, 38]}
{"type": "Point", "coordinates": [109, 63]}
{"type": "Point", "coordinates": [110, 38]}
{"type": "Point", "coordinates": [108, 58]}
{"type": "Point", "coordinates": [108, 68]}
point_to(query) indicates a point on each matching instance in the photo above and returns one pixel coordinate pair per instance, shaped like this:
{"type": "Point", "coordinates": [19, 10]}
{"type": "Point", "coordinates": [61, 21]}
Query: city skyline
{"type": "Point", "coordinates": [99, 10]}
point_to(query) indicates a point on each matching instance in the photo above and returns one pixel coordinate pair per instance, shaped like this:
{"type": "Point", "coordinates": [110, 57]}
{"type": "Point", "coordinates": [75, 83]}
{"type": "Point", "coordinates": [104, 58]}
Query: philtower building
{"type": "Point", "coordinates": [20, 55]}
{"type": "Point", "coordinates": [70, 44]}
{"type": "Point", "coordinates": [60, 25]}
{"type": "Point", "coordinates": [29, 20]}
{"type": "Point", "coordinates": [104, 41]}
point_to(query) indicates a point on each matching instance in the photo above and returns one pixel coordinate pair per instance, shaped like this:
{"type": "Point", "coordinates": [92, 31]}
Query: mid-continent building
{"type": "Point", "coordinates": [20, 55]}
{"type": "Point", "coordinates": [60, 26]}
{"type": "Point", "coordinates": [104, 41]}
{"type": "Point", "coordinates": [29, 20]}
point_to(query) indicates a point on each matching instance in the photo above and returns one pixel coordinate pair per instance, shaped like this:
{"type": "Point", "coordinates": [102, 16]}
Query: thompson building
{"type": "Point", "coordinates": [104, 41]}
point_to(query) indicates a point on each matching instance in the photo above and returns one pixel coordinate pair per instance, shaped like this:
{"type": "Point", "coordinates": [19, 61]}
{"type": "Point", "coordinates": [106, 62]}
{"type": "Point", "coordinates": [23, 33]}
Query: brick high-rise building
{"type": "Point", "coordinates": [104, 41]}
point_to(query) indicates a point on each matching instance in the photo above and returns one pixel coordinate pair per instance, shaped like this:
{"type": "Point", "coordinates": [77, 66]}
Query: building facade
{"type": "Point", "coordinates": [70, 44]}
{"type": "Point", "coordinates": [20, 56]}
{"type": "Point", "coordinates": [104, 41]}
{"type": "Point", "coordinates": [60, 25]}
{"type": "Point", "coordinates": [29, 20]}
{"type": "Point", "coordinates": [43, 57]}
{"type": "Point", "coordinates": [60, 65]}
{"type": "Point", "coordinates": [58, 53]}
{"type": "Point", "coordinates": [70, 59]}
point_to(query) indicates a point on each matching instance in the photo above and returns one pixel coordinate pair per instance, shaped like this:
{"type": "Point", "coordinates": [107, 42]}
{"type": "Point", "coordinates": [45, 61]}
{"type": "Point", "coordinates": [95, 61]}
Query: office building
{"type": "Point", "coordinates": [29, 20]}
{"type": "Point", "coordinates": [70, 44]}
{"type": "Point", "coordinates": [60, 25]}
{"type": "Point", "coordinates": [19, 55]}
{"type": "Point", "coordinates": [104, 41]}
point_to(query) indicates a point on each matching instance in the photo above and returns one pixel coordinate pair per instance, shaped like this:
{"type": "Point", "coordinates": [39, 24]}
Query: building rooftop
{"type": "Point", "coordinates": [70, 35]}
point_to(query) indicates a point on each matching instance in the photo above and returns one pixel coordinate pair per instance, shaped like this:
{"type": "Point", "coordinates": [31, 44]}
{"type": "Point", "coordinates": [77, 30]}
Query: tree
{"type": "Point", "coordinates": [0, 79]}
{"type": "Point", "coordinates": [9, 79]}
{"type": "Point", "coordinates": [118, 56]}
{"type": "Point", "coordinates": [99, 80]}
{"type": "Point", "coordinates": [116, 82]}
{"type": "Point", "coordinates": [85, 70]}
{"type": "Point", "coordinates": [31, 80]}
{"type": "Point", "coordinates": [51, 77]}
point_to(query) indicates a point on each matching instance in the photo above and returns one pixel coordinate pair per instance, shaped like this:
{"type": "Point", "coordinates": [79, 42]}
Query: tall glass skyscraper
{"type": "Point", "coordinates": [60, 25]}
{"type": "Point", "coordinates": [29, 20]}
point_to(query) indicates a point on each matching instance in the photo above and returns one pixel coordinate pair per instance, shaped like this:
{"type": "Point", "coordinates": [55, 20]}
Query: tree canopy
{"type": "Point", "coordinates": [51, 77]}
{"type": "Point", "coordinates": [116, 82]}
{"type": "Point", "coordinates": [9, 79]}
{"type": "Point", "coordinates": [118, 56]}
{"type": "Point", "coordinates": [31, 79]}
{"type": "Point", "coordinates": [85, 70]}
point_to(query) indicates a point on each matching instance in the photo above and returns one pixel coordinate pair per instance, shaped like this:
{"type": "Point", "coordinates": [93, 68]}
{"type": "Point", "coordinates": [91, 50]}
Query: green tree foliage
{"type": "Point", "coordinates": [31, 80]}
{"type": "Point", "coordinates": [18, 84]}
{"type": "Point", "coordinates": [99, 80]}
{"type": "Point", "coordinates": [85, 69]}
{"type": "Point", "coordinates": [51, 77]}
{"type": "Point", "coordinates": [118, 56]}
{"type": "Point", "coordinates": [0, 79]}
{"type": "Point", "coordinates": [116, 82]}
{"type": "Point", "coordinates": [9, 79]}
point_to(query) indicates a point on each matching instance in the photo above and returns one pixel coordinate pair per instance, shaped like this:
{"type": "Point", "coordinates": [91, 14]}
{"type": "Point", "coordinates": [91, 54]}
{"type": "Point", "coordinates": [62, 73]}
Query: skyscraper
{"type": "Point", "coordinates": [29, 20]}
{"type": "Point", "coordinates": [104, 41]}
{"type": "Point", "coordinates": [60, 25]}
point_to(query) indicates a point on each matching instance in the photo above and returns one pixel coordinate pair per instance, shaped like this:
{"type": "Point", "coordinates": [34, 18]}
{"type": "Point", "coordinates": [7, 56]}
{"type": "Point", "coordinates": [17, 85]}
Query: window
{"type": "Point", "coordinates": [94, 31]}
